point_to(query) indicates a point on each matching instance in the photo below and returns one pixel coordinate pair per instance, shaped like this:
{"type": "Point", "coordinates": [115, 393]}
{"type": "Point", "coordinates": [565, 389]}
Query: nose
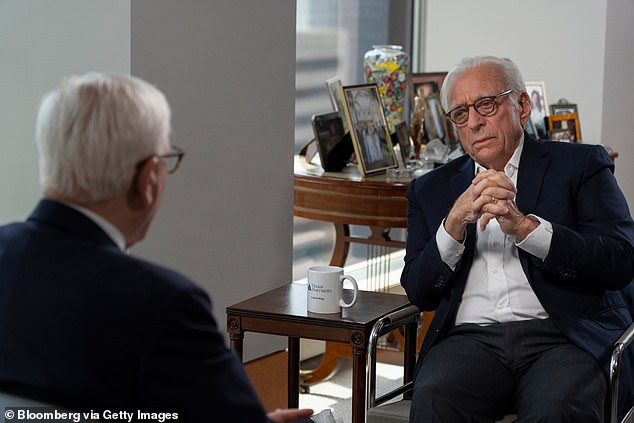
{"type": "Point", "coordinates": [475, 120]}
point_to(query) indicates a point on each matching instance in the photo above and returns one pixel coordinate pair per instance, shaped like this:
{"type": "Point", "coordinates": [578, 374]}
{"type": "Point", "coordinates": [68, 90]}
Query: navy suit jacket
{"type": "Point", "coordinates": [591, 257]}
{"type": "Point", "coordinates": [84, 325]}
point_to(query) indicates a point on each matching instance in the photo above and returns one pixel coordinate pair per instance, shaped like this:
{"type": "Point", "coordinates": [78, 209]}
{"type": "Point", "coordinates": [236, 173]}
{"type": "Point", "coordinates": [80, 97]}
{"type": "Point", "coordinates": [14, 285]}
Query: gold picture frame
{"type": "Point", "coordinates": [371, 139]}
{"type": "Point", "coordinates": [558, 124]}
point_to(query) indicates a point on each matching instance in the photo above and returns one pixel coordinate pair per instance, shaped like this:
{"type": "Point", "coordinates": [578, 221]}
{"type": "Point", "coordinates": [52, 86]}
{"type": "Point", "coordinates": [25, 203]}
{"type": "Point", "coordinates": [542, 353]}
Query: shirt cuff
{"type": "Point", "coordinates": [450, 249]}
{"type": "Point", "coordinates": [537, 243]}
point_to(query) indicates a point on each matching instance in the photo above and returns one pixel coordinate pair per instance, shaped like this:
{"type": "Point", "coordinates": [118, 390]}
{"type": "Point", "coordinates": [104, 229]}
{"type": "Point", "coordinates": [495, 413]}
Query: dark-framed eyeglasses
{"type": "Point", "coordinates": [173, 159]}
{"type": "Point", "coordinates": [485, 106]}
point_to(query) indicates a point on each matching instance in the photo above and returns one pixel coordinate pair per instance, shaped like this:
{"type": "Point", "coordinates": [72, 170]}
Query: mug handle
{"type": "Point", "coordinates": [342, 303]}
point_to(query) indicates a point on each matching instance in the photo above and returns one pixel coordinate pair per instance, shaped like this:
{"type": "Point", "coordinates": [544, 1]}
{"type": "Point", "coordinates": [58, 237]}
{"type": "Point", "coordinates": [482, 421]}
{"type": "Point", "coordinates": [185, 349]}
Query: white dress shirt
{"type": "Point", "coordinates": [497, 289]}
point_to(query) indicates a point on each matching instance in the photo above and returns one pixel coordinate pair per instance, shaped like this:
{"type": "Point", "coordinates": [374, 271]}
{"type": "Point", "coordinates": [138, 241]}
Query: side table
{"type": "Point", "coordinates": [282, 311]}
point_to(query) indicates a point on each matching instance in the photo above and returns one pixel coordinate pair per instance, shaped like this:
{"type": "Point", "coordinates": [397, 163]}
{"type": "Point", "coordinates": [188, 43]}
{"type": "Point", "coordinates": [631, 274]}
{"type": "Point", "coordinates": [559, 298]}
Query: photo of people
{"type": "Point", "coordinates": [370, 137]}
{"type": "Point", "coordinates": [539, 106]}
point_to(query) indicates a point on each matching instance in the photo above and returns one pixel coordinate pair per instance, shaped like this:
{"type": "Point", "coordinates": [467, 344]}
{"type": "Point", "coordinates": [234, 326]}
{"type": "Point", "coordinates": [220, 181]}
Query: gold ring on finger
{"type": "Point", "coordinates": [494, 200]}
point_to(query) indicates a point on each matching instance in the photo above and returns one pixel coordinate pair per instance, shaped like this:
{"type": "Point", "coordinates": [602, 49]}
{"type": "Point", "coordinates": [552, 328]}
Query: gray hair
{"type": "Point", "coordinates": [93, 131]}
{"type": "Point", "coordinates": [512, 77]}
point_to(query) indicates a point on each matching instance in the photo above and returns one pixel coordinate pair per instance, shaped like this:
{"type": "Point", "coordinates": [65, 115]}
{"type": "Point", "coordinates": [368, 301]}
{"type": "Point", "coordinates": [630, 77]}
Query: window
{"type": "Point", "coordinates": [332, 37]}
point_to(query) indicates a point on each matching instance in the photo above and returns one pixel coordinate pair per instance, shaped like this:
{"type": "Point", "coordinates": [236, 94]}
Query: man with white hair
{"type": "Point", "coordinates": [83, 324]}
{"type": "Point", "coordinates": [523, 248]}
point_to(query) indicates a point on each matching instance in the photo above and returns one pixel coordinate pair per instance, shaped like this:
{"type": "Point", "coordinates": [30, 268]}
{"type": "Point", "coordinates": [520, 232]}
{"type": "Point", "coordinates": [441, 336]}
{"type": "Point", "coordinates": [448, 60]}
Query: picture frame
{"type": "Point", "coordinates": [404, 142]}
{"type": "Point", "coordinates": [558, 124]}
{"type": "Point", "coordinates": [332, 144]}
{"type": "Point", "coordinates": [539, 106]}
{"type": "Point", "coordinates": [426, 83]}
{"type": "Point", "coordinates": [371, 139]}
{"type": "Point", "coordinates": [563, 107]}
{"type": "Point", "coordinates": [333, 85]}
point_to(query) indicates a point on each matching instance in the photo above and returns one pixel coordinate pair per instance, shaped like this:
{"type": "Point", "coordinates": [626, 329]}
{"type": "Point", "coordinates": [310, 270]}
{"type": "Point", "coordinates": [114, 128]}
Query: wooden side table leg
{"type": "Point", "coordinates": [293, 372]}
{"type": "Point", "coordinates": [236, 336]}
{"type": "Point", "coordinates": [359, 361]}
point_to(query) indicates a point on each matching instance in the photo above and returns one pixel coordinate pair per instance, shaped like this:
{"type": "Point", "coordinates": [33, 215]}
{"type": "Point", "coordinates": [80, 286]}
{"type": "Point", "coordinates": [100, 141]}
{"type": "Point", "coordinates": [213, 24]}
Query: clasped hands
{"type": "Point", "coordinates": [491, 195]}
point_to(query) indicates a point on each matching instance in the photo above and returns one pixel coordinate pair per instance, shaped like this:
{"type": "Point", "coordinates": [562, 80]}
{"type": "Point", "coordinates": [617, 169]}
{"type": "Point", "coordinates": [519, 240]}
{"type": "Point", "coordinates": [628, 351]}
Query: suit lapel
{"type": "Point", "coordinates": [533, 165]}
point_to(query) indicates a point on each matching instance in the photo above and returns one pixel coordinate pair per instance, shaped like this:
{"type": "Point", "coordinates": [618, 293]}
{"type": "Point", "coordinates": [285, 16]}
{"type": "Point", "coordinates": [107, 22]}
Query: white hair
{"type": "Point", "coordinates": [93, 131]}
{"type": "Point", "coordinates": [511, 75]}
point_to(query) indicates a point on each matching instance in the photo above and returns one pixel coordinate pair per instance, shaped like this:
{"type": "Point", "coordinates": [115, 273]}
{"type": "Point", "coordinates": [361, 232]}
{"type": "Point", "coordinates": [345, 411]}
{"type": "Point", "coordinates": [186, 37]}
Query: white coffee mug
{"type": "Point", "coordinates": [325, 289]}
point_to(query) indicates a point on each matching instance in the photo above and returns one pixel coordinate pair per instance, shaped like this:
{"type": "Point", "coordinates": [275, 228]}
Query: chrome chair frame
{"type": "Point", "coordinates": [378, 411]}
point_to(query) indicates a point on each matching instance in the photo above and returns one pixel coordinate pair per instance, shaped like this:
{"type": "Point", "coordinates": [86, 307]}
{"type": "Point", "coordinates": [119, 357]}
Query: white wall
{"type": "Point", "coordinates": [581, 49]}
{"type": "Point", "coordinates": [40, 42]}
{"type": "Point", "coordinates": [618, 94]}
{"type": "Point", "coordinates": [227, 68]}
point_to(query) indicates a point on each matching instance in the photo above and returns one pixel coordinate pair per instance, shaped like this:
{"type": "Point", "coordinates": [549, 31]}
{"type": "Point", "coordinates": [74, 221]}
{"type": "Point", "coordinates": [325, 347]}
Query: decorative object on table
{"type": "Point", "coordinates": [562, 107]}
{"type": "Point", "coordinates": [427, 83]}
{"type": "Point", "coordinates": [368, 128]}
{"type": "Point", "coordinates": [416, 126]}
{"type": "Point", "coordinates": [564, 127]}
{"type": "Point", "coordinates": [388, 67]}
{"type": "Point", "coordinates": [435, 122]}
{"type": "Point", "coordinates": [334, 145]}
{"type": "Point", "coordinates": [334, 92]}
{"type": "Point", "coordinates": [539, 106]}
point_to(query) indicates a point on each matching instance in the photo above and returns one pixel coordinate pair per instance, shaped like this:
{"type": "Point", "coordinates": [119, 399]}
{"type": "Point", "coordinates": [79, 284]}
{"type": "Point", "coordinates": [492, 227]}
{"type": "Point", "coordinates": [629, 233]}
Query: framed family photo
{"type": "Point", "coordinates": [563, 107]}
{"type": "Point", "coordinates": [564, 127]}
{"type": "Point", "coordinates": [424, 84]}
{"type": "Point", "coordinates": [539, 106]}
{"type": "Point", "coordinates": [368, 128]}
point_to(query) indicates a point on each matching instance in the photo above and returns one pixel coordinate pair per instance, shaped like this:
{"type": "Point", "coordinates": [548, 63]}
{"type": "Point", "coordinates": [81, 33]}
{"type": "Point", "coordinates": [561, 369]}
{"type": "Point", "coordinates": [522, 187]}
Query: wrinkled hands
{"type": "Point", "coordinates": [491, 195]}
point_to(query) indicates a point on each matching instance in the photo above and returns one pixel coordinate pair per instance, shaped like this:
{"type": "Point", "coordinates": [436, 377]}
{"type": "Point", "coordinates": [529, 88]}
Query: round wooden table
{"type": "Point", "coordinates": [345, 198]}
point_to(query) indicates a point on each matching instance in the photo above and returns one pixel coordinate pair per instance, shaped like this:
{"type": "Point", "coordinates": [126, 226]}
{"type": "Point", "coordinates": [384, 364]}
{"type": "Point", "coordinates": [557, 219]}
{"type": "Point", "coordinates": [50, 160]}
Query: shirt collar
{"type": "Point", "coordinates": [511, 168]}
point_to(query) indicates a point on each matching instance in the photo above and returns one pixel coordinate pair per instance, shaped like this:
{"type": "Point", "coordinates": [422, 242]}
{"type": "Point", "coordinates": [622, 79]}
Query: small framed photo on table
{"type": "Point", "coordinates": [539, 106]}
{"type": "Point", "coordinates": [562, 107]}
{"type": "Point", "coordinates": [368, 128]}
{"type": "Point", "coordinates": [424, 84]}
{"type": "Point", "coordinates": [564, 127]}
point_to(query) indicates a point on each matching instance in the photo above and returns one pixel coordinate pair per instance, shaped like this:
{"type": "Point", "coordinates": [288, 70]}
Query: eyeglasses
{"type": "Point", "coordinates": [485, 106]}
{"type": "Point", "coordinates": [173, 158]}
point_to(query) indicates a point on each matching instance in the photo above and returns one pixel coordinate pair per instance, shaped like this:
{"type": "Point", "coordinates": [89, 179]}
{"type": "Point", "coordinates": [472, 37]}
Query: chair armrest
{"type": "Point", "coordinates": [408, 317]}
{"type": "Point", "coordinates": [615, 362]}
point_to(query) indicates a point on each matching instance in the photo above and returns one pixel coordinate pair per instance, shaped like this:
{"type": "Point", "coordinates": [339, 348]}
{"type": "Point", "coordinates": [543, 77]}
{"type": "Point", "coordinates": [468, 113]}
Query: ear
{"type": "Point", "coordinates": [524, 107]}
{"type": "Point", "coordinates": [145, 188]}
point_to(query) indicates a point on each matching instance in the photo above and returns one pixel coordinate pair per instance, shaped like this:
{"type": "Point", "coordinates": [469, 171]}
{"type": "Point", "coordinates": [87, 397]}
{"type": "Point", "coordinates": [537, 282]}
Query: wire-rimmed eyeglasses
{"type": "Point", "coordinates": [484, 106]}
{"type": "Point", "coordinates": [173, 159]}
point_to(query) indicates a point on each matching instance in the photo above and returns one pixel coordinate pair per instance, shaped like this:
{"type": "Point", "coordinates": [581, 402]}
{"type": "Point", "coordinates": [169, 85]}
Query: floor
{"type": "Point", "coordinates": [336, 393]}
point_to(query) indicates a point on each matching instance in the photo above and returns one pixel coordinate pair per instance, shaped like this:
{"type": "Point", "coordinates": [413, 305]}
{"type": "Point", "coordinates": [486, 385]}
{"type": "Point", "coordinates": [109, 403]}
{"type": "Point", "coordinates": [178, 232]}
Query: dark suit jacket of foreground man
{"type": "Point", "coordinates": [81, 319]}
{"type": "Point", "coordinates": [591, 256]}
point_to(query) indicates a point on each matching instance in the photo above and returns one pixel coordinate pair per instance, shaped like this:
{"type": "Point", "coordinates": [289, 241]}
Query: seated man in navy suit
{"type": "Point", "coordinates": [523, 248]}
{"type": "Point", "coordinates": [83, 324]}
